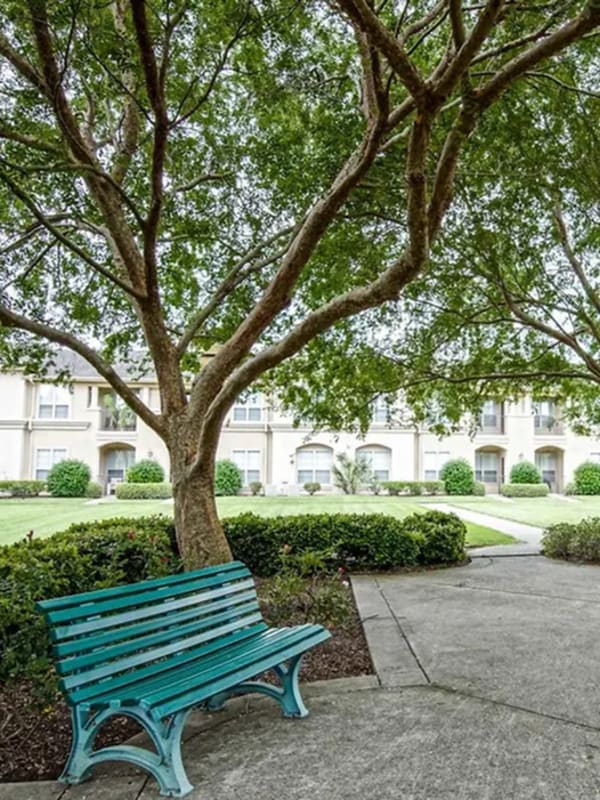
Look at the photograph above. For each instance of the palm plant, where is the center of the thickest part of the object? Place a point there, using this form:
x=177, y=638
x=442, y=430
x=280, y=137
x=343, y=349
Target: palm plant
x=349, y=475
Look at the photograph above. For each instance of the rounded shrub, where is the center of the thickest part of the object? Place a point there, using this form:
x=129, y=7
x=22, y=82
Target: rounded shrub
x=574, y=542
x=441, y=536
x=479, y=489
x=94, y=490
x=68, y=478
x=525, y=472
x=145, y=471
x=255, y=487
x=228, y=479
x=458, y=476
x=311, y=487
x=587, y=478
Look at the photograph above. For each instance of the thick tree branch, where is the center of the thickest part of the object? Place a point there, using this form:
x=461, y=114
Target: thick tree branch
x=575, y=263
x=11, y=319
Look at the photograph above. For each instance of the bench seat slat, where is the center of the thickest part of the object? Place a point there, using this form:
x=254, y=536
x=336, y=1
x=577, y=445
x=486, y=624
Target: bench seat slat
x=114, y=683
x=182, y=674
x=135, y=588
x=154, y=596
x=157, y=610
x=96, y=673
x=84, y=643
x=165, y=634
x=246, y=672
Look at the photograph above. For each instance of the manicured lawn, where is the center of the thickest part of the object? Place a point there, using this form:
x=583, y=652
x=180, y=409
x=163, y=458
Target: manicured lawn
x=47, y=515
x=541, y=511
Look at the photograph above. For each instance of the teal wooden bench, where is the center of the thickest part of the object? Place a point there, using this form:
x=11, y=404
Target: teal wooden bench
x=155, y=650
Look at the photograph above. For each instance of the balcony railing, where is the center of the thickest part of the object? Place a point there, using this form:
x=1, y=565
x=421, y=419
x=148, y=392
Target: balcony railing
x=545, y=425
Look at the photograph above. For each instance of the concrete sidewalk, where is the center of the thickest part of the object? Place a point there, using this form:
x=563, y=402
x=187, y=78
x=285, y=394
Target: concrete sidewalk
x=487, y=689
x=529, y=536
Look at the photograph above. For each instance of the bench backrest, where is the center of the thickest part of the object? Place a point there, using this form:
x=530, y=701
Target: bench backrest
x=137, y=630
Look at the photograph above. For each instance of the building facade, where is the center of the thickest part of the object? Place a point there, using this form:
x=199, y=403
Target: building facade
x=41, y=424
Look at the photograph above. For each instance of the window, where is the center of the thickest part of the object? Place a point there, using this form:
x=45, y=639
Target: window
x=54, y=402
x=90, y=396
x=45, y=459
x=314, y=464
x=118, y=461
x=486, y=467
x=379, y=460
x=249, y=409
x=547, y=417
x=116, y=415
x=248, y=463
x=433, y=461
x=381, y=411
x=491, y=417
x=154, y=399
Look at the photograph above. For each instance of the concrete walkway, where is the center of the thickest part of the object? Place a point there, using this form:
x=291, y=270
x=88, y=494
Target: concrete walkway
x=487, y=689
x=529, y=536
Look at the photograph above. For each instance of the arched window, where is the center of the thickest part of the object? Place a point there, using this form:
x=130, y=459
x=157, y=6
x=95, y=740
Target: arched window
x=378, y=458
x=313, y=463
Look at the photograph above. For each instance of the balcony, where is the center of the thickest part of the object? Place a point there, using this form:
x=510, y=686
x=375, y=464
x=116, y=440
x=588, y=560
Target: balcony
x=114, y=414
x=492, y=419
x=548, y=425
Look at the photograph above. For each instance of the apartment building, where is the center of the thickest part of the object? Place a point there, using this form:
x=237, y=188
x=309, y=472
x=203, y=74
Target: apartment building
x=41, y=423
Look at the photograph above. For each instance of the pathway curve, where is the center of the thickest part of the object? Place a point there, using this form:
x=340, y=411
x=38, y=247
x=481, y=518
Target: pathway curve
x=529, y=536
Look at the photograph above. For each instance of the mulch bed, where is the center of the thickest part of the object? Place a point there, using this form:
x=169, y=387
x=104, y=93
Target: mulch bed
x=34, y=742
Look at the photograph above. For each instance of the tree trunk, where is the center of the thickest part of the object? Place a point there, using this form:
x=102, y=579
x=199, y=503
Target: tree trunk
x=199, y=533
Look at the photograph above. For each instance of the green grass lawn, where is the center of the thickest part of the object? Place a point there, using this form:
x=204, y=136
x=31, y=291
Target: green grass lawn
x=541, y=511
x=47, y=515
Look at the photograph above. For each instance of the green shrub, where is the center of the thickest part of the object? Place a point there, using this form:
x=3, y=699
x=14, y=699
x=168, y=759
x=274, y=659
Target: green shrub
x=94, y=490
x=312, y=486
x=524, y=490
x=68, y=478
x=360, y=541
x=146, y=471
x=432, y=487
x=143, y=491
x=22, y=488
x=393, y=487
x=525, y=472
x=255, y=487
x=228, y=479
x=441, y=536
x=575, y=542
x=570, y=488
x=587, y=478
x=87, y=556
x=457, y=475
x=289, y=598
x=479, y=489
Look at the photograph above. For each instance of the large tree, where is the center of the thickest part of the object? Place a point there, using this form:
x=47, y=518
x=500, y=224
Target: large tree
x=179, y=175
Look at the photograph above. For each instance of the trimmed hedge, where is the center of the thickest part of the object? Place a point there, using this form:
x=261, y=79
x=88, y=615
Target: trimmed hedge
x=99, y=554
x=573, y=542
x=84, y=557
x=525, y=472
x=479, y=489
x=94, y=490
x=143, y=491
x=524, y=489
x=458, y=477
x=311, y=487
x=22, y=488
x=68, y=478
x=146, y=471
x=356, y=541
x=587, y=478
x=413, y=488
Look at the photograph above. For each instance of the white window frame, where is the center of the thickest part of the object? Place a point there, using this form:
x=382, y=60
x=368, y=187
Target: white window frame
x=56, y=454
x=437, y=458
x=482, y=471
x=249, y=409
x=315, y=472
x=379, y=459
x=54, y=397
x=381, y=411
x=249, y=463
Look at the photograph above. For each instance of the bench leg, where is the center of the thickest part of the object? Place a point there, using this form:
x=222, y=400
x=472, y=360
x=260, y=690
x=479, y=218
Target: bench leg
x=165, y=764
x=288, y=695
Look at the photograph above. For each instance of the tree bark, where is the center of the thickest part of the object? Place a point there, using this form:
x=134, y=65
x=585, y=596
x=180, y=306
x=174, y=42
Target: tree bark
x=200, y=536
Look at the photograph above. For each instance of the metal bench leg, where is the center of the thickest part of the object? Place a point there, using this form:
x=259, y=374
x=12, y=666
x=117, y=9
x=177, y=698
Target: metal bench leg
x=288, y=695
x=165, y=764
x=291, y=699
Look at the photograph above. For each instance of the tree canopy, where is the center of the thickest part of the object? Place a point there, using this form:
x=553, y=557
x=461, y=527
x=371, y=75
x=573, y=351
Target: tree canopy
x=267, y=180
